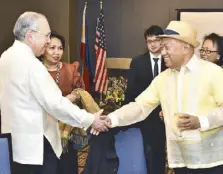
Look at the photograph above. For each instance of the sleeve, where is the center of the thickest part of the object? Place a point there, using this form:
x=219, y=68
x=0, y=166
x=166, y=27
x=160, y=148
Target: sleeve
x=138, y=110
x=214, y=118
x=130, y=93
x=49, y=96
x=78, y=81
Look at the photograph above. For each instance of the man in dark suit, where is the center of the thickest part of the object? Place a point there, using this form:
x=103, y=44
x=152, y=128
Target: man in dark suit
x=143, y=70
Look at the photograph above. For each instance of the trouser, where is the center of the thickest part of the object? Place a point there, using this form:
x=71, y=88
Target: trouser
x=156, y=161
x=50, y=163
x=68, y=163
x=213, y=170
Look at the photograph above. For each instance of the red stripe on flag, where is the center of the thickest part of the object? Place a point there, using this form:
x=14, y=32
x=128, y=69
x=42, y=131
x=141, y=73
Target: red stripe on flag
x=99, y=64
x=102, y=73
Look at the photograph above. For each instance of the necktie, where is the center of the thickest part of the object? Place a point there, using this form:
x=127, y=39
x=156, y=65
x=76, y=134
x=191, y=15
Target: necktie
x=156, y=67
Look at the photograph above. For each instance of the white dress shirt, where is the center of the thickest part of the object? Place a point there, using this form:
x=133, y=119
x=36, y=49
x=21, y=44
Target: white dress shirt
x=27, y=93
x=153, y=62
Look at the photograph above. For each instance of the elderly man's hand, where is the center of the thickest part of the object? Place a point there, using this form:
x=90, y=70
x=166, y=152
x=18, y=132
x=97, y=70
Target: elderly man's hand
x=101, y=123
x=97, y=132
x=188, y=122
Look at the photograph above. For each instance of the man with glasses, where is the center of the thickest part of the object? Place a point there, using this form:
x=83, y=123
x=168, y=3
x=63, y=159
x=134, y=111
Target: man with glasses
x=143, y=70
x=28, y=93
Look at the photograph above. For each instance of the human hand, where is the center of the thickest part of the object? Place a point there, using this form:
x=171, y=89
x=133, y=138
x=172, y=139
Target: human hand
x=188, y=122
x=94, y=131
x=101, y=123
x=72, y=97
x=161, y=115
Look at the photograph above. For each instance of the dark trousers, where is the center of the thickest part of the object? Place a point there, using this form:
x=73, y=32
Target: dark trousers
x=68, y=163
x=156, y=161
x=50, y=163
x=213, y=170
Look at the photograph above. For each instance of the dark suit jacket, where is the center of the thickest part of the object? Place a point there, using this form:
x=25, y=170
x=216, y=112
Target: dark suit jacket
x=139, y=78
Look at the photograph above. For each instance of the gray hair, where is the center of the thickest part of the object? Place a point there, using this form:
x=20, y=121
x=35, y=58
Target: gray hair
x=26, y=21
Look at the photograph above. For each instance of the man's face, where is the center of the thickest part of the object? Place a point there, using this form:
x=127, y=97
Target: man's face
x=41, y=38
x=173, y=53
x=153, y=44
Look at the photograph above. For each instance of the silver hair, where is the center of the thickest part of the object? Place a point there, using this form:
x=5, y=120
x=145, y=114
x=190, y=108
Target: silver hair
x=26, y=21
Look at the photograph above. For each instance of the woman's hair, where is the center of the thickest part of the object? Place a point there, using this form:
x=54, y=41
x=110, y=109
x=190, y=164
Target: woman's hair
x=54, y=34
x=218, y=41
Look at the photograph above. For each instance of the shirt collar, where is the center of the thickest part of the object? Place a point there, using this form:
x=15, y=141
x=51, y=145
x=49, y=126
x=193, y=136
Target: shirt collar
x=152, y=56
x=23, y=47
x=193, y=64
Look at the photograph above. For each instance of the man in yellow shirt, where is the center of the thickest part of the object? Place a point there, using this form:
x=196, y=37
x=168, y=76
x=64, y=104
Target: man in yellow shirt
x=190, y=92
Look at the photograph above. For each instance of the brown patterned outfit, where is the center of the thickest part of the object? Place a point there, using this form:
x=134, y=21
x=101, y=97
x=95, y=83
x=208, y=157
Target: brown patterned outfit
x=69, y=78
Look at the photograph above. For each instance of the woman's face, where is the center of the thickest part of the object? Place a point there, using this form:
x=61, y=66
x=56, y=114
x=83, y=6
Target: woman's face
x=209, y=51
x=54, y=51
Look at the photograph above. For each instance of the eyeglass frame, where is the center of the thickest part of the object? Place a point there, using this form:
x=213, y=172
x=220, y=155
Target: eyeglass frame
x=207, y=51
x=153, y=41
x=46, y=35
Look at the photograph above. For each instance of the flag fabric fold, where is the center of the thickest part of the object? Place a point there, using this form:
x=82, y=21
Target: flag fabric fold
x=84, y=53
x=101, y=76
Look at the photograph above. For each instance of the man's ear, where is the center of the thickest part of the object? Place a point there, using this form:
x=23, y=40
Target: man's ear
x=29, y=36
x=186, y=48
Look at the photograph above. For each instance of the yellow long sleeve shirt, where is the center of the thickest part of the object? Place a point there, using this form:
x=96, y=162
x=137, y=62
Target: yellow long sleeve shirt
x=197, y=89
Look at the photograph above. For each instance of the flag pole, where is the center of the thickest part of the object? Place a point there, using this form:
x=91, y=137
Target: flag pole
x=101, y=92
x=100, y=4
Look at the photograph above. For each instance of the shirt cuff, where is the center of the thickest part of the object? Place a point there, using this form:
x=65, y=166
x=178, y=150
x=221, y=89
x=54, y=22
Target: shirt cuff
x=114, y=120
x=88, y=121
x=204, y=123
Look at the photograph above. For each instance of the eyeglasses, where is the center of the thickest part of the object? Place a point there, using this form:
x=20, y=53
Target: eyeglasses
x=46, y=35
x=156, y=41
x=207, y=51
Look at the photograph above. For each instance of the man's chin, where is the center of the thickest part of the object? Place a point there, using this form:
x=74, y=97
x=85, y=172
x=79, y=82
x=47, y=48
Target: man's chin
x=168, y=65
x=155, y=51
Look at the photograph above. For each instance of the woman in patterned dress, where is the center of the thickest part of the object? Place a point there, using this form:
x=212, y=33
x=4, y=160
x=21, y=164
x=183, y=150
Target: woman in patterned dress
x=67, y=78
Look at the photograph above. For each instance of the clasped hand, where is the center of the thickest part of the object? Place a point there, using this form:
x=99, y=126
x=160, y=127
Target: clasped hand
x=101, y=123
x=188, y=122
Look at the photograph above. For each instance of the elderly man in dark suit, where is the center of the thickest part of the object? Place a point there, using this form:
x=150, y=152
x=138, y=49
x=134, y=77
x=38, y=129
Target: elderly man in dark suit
x=150, y=132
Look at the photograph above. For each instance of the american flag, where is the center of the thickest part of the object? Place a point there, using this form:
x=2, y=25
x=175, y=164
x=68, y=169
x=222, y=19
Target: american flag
x=101, y=77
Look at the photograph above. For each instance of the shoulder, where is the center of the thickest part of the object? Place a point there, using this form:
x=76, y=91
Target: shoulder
x=212, y=68
x=72, y=67
x=140, y=58
x=36, y=66
x=164, y=74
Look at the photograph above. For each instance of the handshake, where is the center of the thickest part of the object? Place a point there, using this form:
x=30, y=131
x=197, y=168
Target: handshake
x=101, y=123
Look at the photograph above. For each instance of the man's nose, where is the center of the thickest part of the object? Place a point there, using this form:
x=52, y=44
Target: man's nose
x=48, y=40
x=163, y=51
